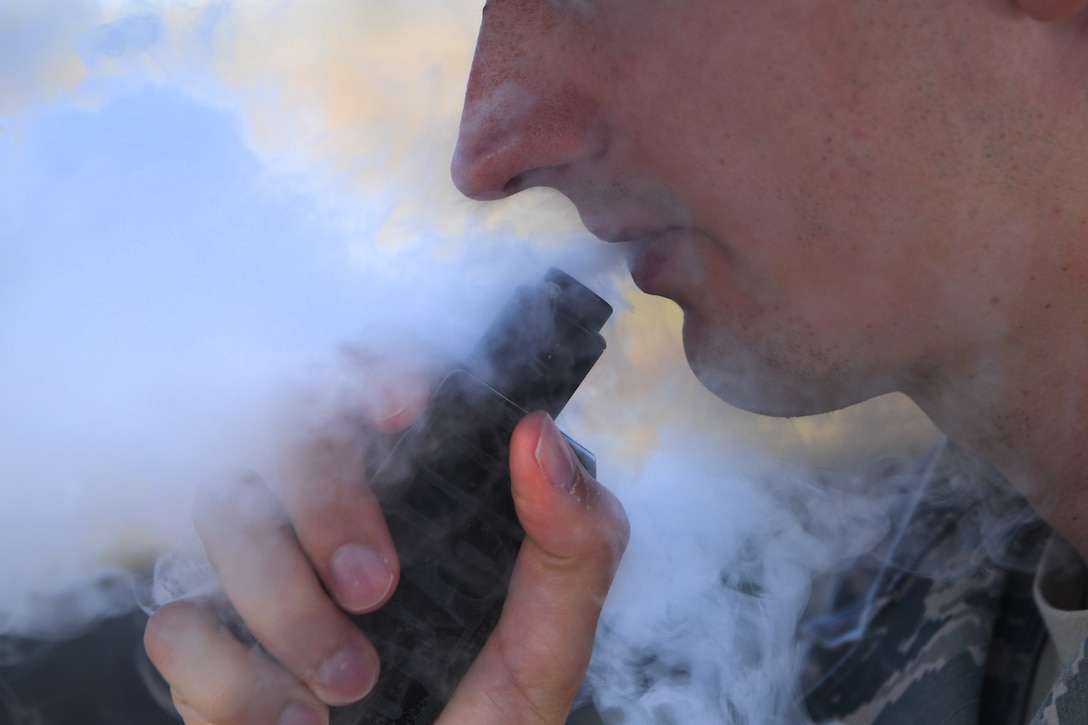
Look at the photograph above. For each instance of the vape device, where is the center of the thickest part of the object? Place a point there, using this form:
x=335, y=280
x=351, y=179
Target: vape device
x=445, y=492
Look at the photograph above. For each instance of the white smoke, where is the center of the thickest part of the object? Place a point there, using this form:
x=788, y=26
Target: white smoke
x=701, y=624
x=167, y=286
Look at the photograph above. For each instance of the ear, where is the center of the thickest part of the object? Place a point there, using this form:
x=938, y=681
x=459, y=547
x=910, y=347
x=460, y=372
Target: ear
x=1051, y=10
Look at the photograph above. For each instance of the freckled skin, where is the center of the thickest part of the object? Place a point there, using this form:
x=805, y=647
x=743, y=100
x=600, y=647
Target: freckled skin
x=876, y=196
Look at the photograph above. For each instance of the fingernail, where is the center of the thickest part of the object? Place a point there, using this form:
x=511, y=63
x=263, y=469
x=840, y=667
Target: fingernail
x=360, y=576
x=299, y=714
x=397, y=406
x=386, y=407
x=348, y=674
x=555, y=456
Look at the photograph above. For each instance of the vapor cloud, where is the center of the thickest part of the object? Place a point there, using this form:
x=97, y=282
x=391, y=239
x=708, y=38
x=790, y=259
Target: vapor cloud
x=169, y=270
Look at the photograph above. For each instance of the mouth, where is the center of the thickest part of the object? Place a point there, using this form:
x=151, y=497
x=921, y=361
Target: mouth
x=650, y=256
x=649, y=249
x=647, y=259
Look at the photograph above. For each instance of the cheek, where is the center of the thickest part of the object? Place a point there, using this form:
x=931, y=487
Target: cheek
x=777, y=148
x=772, y=298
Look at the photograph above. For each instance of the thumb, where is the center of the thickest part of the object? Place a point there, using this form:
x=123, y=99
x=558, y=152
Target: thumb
x=534, y=662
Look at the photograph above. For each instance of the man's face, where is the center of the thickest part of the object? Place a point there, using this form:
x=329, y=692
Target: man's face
x=791, y=172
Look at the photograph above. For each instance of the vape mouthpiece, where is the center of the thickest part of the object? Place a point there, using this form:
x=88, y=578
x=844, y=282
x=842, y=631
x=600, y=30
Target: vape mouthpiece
x=543, y=343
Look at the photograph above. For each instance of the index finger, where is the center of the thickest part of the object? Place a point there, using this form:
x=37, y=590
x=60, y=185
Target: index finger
x=322, y=479
x=338, y=521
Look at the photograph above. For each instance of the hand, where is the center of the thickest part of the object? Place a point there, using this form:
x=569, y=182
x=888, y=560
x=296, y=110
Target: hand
x=275, y=550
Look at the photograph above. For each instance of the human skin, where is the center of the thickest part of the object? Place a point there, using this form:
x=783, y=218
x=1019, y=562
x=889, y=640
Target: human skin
x=846, y=197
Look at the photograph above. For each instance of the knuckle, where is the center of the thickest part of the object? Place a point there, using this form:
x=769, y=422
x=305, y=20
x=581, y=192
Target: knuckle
x=334, y=455
x=229, y=700
x=272, y=622
x=391, y=392
x=188, y=715
x=226, y=703
x=162, y=633
x=242, y=503
x=221, y=700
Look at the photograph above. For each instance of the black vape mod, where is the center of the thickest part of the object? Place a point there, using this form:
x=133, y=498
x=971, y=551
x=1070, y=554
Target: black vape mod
x=445, y=492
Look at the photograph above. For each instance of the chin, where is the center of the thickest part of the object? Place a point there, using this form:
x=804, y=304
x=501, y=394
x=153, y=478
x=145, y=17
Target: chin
x=762, y=394
x=771, y=382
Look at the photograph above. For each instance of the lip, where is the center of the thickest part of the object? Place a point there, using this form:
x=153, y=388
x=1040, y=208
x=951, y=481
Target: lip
x=650, y=248
x=648, y=258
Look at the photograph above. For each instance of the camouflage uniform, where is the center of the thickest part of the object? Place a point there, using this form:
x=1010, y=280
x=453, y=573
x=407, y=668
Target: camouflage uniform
x=937, y=633
x=1067, y=701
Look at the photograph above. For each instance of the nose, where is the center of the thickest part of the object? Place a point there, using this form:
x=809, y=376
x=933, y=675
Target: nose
x=528, y=113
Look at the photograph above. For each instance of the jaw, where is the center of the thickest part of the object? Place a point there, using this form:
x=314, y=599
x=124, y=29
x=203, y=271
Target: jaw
x=788, y=379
